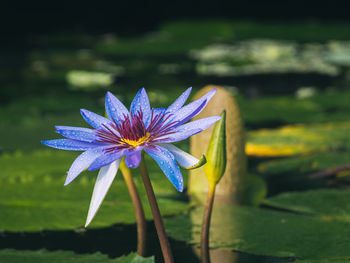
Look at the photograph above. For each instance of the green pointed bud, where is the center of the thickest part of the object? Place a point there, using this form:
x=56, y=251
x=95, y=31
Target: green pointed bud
x=216, y=153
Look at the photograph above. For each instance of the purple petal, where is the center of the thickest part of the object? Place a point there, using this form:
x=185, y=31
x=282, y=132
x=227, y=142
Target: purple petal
x=82, y=162
x=178, y=136
x=183, y=158
x=167, y=163
x=180, y=101
x=94, y=119
x=72, y=145
x=208, y=96
x=133, y=158
x=141, y=103
x=114, y=108
x=190, y=110
x=103, y=183
x=157, y=111
x=198, y=124
x=77, y=133
x=105, y=159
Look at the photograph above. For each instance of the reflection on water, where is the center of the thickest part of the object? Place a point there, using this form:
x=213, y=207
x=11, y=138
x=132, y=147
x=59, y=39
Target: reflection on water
x=117, y=241
x=225, y=225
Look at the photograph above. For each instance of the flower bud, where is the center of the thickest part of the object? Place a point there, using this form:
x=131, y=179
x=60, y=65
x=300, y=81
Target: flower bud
x=216, y=153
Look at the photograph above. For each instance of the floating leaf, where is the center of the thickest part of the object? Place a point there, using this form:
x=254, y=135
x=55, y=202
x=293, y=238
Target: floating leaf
x=27, y=134
x=33, y=198
x=86, y=80
x=44, y=256
x=272, y=111
x=329, y=260
x=298, y=139
x=331, y=204
x=266, y=232
x=304, y=164
x=290, y=174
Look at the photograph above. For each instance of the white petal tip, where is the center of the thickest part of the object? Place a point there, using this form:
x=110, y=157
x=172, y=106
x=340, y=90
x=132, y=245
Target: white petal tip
x=198, y=164
x=67, y=182
x=91, y=214
x=212, y=92
x=88, y=221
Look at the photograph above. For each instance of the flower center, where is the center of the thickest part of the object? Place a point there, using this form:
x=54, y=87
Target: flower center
x=135, y=143
x=132, y=132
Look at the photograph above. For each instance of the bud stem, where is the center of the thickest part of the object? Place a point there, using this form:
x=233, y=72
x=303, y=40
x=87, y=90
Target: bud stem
x=206, y=224
x=139, y=213
x=163, y=239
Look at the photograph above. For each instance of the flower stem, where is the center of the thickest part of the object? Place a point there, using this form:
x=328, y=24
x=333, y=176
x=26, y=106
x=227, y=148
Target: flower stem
x=163, y=239
x=206, y=224
x=139, y=213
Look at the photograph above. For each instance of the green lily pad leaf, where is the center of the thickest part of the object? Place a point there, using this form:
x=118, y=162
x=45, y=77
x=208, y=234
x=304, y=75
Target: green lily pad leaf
x=26, y=133
x=331, y=204
x=33, y=198
x=298, y=139
x=305, y=164
x=44, y=256
x=265, y=232
x=278, y=110
x=329, y=260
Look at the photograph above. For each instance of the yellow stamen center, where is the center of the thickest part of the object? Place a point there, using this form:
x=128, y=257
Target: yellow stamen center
x=138, y=142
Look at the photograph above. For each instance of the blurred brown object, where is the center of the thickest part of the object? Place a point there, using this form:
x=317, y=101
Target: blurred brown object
x=227, y=191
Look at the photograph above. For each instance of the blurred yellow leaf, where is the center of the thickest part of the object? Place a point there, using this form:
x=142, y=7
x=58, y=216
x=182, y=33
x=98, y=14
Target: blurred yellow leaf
x=298, y=139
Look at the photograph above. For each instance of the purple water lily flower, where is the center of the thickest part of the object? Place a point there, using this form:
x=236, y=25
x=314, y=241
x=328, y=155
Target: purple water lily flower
x=127, y=134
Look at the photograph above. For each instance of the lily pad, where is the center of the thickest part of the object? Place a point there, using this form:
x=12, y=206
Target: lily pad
x=330, y=204
x=33, y=198
x=304, y=164
x=329, y=260
x=266, y=232
x=282, y=110
x=298, y=139
x=44, y=256
x=26, y=132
